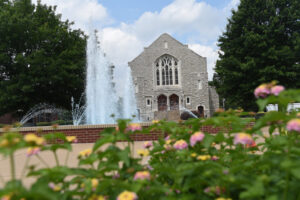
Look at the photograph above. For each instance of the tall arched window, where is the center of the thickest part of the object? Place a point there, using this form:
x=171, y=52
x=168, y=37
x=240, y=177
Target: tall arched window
x=171, y=76
x=163, y=77
x=157, y=77
x=167, y=75
x=176, y=76
x=167, y=70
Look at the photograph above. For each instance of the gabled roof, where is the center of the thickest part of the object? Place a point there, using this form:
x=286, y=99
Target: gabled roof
x=164, y=37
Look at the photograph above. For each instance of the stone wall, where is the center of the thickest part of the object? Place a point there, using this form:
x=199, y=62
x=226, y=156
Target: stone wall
x=192, y=71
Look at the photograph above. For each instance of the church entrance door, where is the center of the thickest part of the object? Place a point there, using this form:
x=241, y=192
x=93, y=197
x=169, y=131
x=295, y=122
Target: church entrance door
x=201, y=111
x=162, y=102
x=174, y=102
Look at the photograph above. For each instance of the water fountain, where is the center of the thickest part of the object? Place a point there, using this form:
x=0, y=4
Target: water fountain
x=129, y=101
x=78, y=112
x=102, y=105
x=185, y=110
x=101, y=97
x=38, y=110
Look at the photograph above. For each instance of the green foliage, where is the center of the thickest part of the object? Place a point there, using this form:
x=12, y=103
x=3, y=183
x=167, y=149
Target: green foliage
x=216, y=167
x=43, y=123
x=261, y=43
x=41, y=59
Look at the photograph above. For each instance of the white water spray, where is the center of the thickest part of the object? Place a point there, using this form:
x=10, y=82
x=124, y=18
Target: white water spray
x=101, y=98
x=129, y=101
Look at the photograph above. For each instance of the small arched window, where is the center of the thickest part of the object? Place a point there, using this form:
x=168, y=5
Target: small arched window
x=167, y=70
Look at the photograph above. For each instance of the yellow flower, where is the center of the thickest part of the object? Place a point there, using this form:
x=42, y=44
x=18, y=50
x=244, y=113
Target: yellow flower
x=54, y=187
x=71, y=138
x=6, y=197
x=6, y=128
x=222, y=198
x=155, y=121
x=143, y=152
x=94, y=183
x=4, y=143
x=126, y=195
x=32, y=151
x=97, y=197
x=193, y=155
x=168, y=141
x=32, y=138
x=85, y=153
x=203, y=157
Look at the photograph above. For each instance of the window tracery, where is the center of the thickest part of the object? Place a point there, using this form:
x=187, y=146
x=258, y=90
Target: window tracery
x=167, y=70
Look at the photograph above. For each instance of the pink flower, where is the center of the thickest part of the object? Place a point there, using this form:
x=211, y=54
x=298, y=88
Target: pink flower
x=167, y=138
x=148, y=144
x=243, y=138
x=262, y=91
x=142, y=175
x=293, y=125
x=134, y=127
x=32, y=151
x=275, y=90
x=214, y=158
x=180, y=144
x=207, y=190
x=149, y=167
x=196, y=137
x=116, y=176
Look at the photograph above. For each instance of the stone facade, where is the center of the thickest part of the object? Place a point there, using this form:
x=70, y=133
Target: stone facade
x=169, y=77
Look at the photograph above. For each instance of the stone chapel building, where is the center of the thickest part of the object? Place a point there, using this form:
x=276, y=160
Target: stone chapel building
x=169, y=78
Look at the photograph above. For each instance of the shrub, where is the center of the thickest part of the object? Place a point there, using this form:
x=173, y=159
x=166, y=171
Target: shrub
x=43, y=124
x=239, y=162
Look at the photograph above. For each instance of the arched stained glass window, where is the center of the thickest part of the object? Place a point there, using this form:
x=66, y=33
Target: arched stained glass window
x=163, y=77
x=157, y=77
x=167, y=75
x=176, y=76
x=167, y=70
x=171, y=76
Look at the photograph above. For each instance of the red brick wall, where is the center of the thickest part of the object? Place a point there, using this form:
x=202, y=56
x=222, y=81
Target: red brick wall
x=89, y=134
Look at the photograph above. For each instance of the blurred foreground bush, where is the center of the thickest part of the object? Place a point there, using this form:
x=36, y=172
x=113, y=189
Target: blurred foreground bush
x=239, y=162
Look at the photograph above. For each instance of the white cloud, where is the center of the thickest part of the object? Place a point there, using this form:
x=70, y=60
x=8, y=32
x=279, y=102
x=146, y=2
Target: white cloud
x=120, y=46
x=209, y=53
x=180, y=17
x=82, y=12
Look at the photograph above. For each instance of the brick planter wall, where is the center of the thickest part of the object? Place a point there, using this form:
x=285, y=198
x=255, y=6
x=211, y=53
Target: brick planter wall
x=90, y=133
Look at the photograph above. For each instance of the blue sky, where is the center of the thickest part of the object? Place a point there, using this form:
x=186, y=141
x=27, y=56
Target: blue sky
x=125, y=27
x=130, y=10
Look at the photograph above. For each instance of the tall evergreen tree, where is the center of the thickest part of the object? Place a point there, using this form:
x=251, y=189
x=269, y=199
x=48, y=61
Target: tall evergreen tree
x=41, y=59
x=261, y=43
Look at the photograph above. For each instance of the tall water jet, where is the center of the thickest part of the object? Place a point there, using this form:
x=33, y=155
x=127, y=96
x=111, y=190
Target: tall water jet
x=101, y=98
x=129, y=101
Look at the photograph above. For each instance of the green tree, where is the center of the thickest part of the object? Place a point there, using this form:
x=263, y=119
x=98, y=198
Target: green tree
x=42, y=60
x=261, y=43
